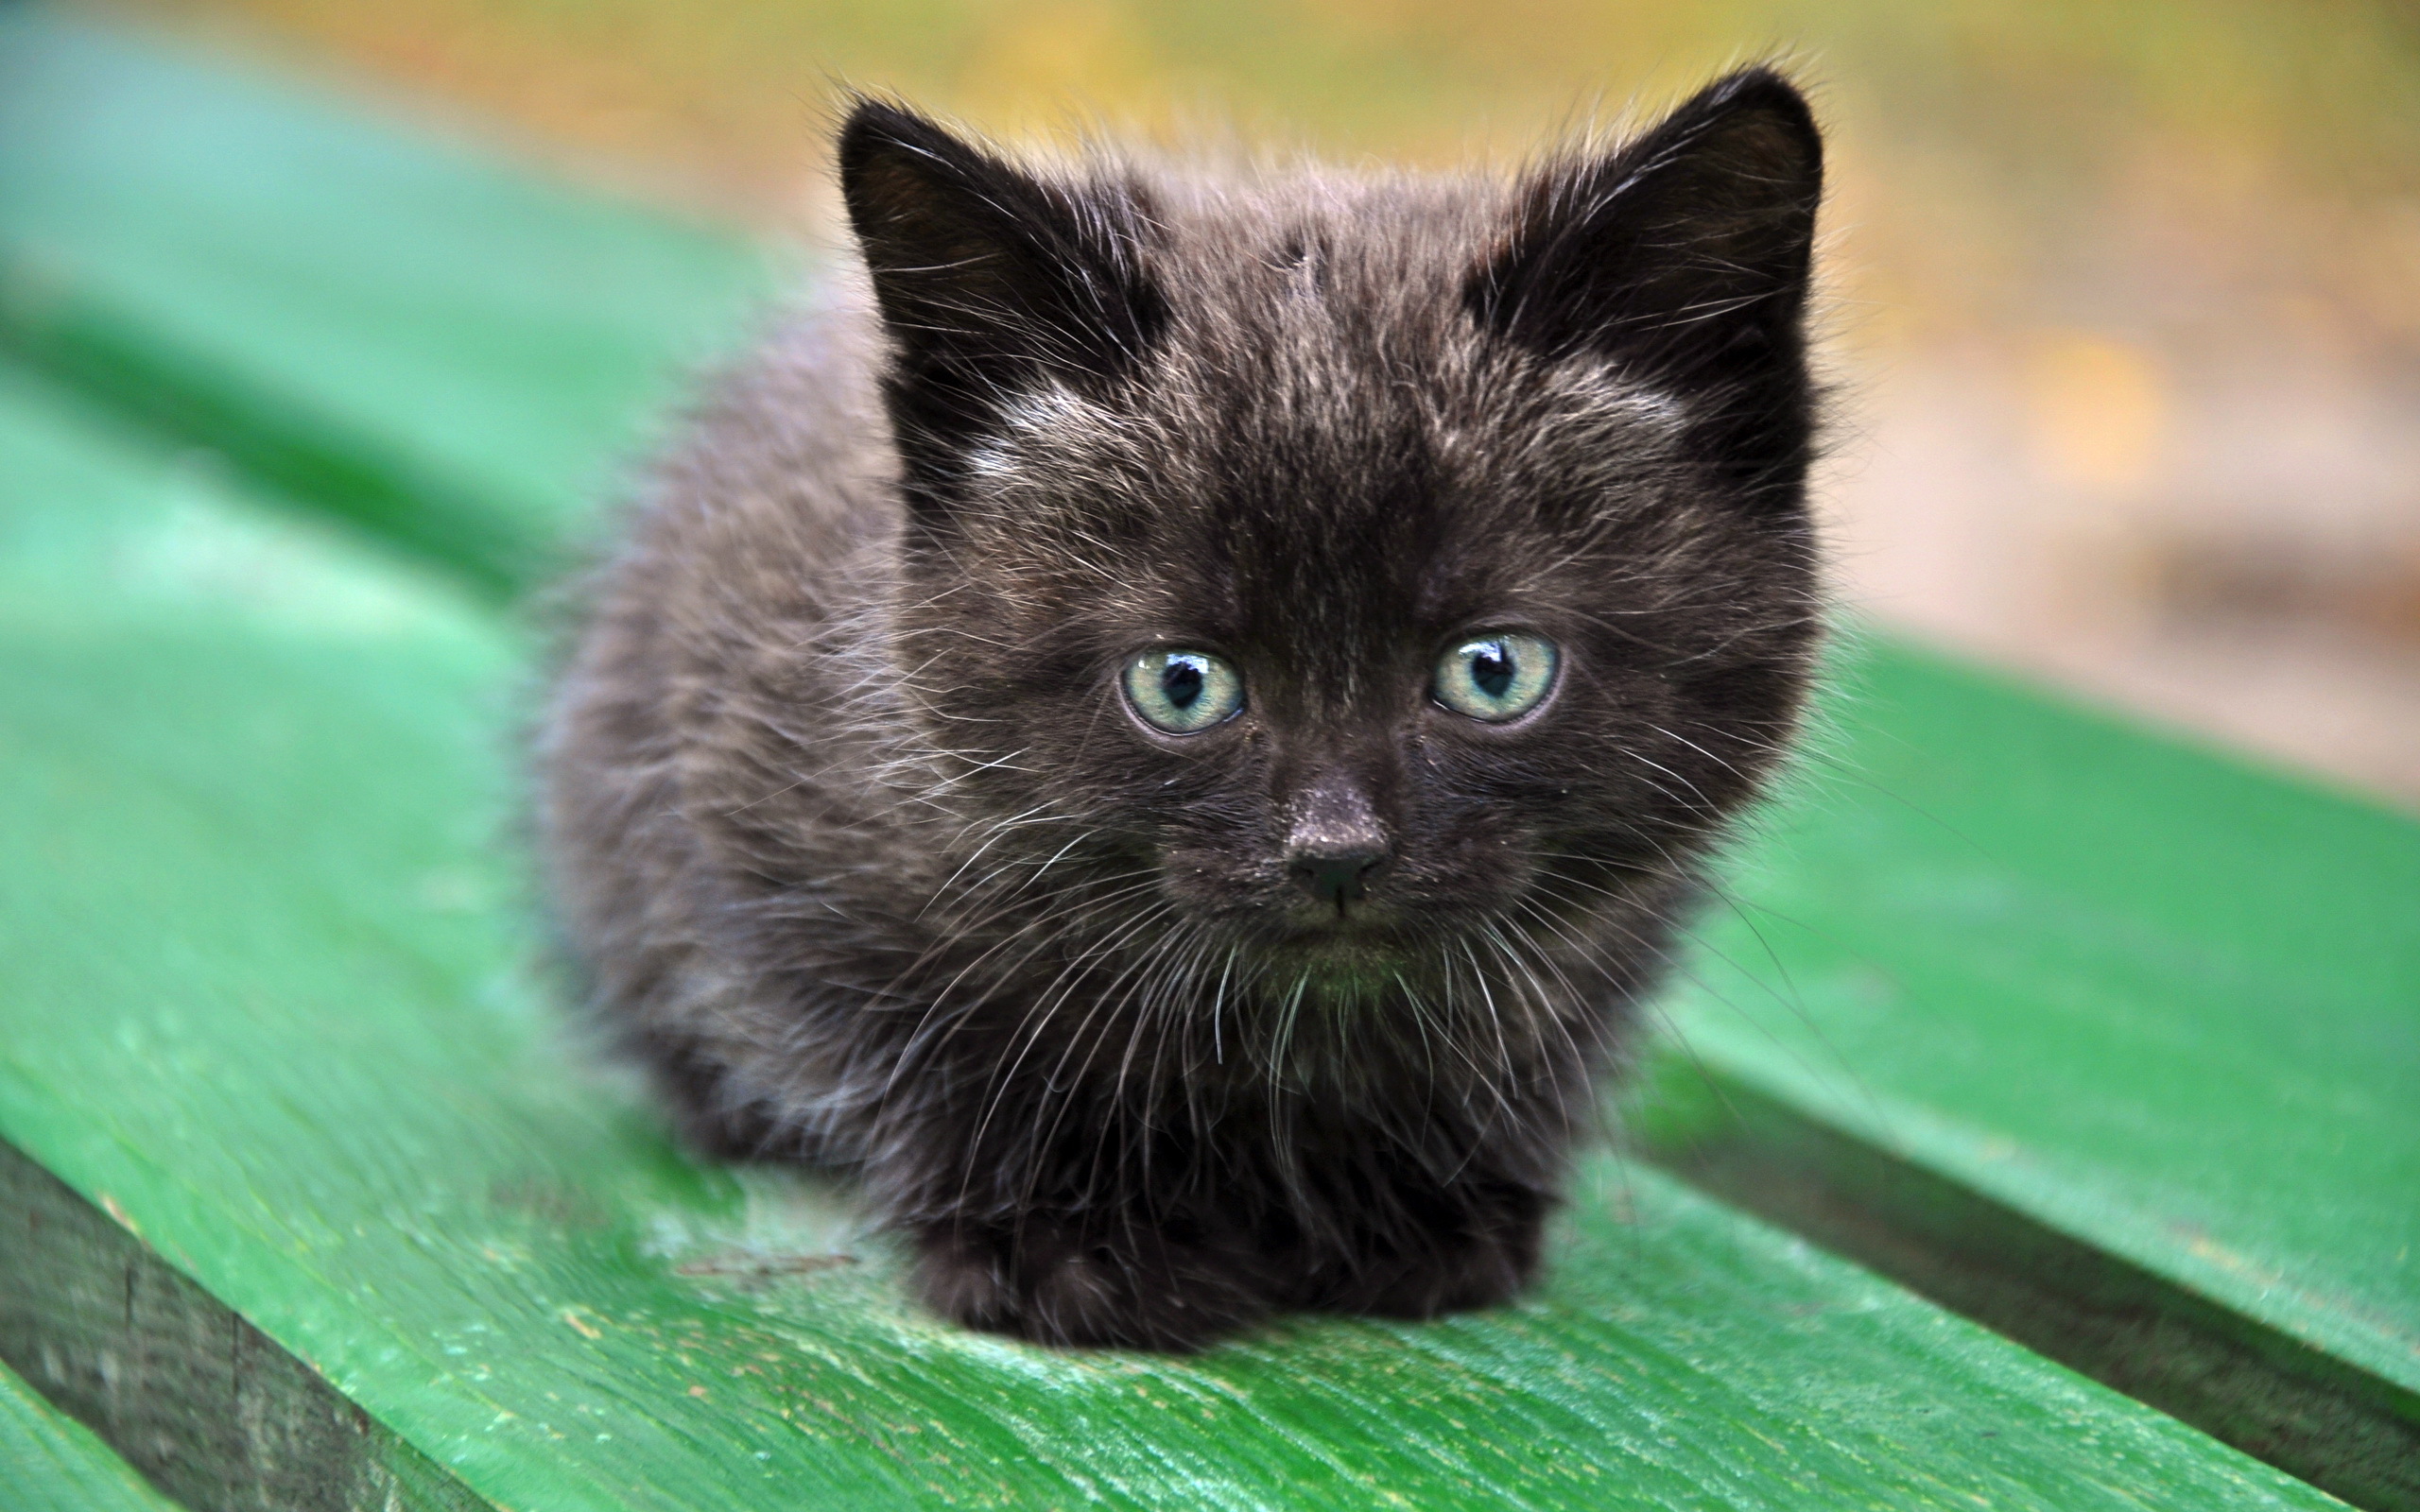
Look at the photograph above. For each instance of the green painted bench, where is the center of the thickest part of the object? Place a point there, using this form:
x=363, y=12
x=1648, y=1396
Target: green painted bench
x=309, y=1197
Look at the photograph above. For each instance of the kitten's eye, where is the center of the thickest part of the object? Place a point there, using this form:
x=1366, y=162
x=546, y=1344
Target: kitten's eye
x=1495, y=677
x=1183, y=692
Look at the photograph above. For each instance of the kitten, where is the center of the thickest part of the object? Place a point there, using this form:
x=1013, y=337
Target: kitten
x=1170, y=726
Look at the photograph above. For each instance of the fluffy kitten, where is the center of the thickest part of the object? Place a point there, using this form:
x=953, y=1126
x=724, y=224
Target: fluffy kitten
x=1169, y=727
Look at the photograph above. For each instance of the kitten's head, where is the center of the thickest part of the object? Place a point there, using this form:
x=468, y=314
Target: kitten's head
x=1351, y=578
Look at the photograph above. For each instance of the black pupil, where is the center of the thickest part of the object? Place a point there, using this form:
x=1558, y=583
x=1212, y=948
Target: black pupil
x=1181, y=681
x=1491, y=668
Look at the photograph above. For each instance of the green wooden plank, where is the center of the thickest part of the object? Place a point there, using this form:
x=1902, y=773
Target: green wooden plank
x=2093, y=984
x=51, y=1463
x=266, y=1001
x=388, y=324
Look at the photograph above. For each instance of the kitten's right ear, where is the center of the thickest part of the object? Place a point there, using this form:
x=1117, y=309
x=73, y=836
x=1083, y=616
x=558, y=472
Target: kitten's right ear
x=990, y=280
x=1683, y=256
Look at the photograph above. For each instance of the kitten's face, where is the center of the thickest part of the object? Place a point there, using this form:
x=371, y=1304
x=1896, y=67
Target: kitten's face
x=1359, y=578
x=1355, y=678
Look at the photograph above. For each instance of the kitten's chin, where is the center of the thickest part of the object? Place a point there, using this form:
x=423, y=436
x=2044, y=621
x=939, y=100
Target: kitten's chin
x=1344, y=962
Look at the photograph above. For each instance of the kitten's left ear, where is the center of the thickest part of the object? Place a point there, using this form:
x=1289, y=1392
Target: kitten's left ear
x=1683, y=256
x=990, y=279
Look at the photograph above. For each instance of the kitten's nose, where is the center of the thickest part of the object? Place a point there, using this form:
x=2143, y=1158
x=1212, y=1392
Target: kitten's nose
x=1335, y=845
x=1335, y=878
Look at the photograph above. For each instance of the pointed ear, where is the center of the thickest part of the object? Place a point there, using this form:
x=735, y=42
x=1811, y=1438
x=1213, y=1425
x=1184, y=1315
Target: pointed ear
x=1683, y=256
x=988, y=279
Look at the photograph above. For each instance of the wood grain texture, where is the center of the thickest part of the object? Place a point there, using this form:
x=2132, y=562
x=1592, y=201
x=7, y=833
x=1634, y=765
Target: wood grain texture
x=268, y=1000
x=51, y=1463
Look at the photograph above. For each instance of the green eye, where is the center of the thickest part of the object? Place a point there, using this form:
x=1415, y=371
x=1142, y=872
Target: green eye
x=1183, y=692
x=1495, y=677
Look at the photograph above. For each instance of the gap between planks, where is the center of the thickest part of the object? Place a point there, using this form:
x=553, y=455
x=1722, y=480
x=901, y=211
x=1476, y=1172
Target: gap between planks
x=2340, y=1428
x=208, y=1408
x=273, y=440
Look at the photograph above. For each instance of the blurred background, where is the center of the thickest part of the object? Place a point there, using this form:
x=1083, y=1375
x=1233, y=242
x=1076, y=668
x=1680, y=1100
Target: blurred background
x=2123, y=298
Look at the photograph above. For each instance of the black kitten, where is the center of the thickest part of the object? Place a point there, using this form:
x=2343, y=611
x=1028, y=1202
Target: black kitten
x=1169, y=728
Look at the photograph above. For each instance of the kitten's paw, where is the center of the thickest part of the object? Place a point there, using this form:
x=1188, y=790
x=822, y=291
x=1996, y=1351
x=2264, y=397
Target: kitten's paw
x=1460, y=1273
x=1056, y=1283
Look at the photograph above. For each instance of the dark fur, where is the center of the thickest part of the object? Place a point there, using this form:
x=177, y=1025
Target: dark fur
x=859, y=843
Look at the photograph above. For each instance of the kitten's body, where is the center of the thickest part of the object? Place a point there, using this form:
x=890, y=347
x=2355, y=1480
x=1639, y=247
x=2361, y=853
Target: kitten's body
x=861, y=847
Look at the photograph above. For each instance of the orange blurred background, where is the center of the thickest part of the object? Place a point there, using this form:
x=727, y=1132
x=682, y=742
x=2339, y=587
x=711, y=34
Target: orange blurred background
x=2124, y=298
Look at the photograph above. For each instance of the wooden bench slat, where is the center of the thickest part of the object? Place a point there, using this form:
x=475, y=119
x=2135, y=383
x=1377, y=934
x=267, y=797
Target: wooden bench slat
x=395, y=327
x=2126, y=991
x=267, y=1003
x=2144, y=989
